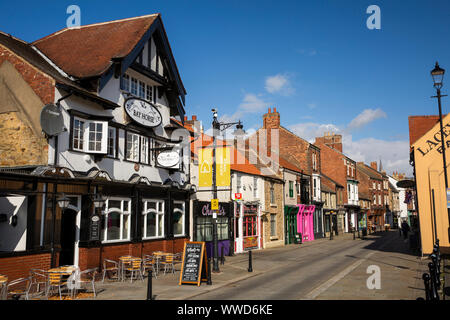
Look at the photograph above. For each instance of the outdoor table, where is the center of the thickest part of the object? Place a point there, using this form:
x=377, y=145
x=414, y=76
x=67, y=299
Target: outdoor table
x=158, y=256
x=122, y=261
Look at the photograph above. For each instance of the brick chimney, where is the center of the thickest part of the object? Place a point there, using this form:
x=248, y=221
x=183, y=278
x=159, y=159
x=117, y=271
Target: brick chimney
x=194, y=123
x=373, y=165
x=271, y=120
x=332, y=140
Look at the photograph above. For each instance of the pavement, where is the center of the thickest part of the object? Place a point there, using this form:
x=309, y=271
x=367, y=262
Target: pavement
x=397, y=264
x=401, y=273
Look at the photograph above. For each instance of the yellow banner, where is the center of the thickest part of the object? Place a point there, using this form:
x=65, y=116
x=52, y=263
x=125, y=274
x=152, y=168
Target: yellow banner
x=205, y=167
x=223, y=173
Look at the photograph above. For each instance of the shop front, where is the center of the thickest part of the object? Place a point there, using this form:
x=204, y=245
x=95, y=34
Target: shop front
x=305, y=221
x=247, y=226
x=204, y=227
x=290, y=228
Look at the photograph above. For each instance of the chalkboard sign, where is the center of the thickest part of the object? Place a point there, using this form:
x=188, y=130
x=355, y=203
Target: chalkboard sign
x=194, y=265
x=95, y=228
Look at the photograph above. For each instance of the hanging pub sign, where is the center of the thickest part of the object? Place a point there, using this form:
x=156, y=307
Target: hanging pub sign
x=143, y=112
x=168, y=159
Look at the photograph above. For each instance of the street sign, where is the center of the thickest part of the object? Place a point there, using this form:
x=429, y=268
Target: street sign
x=215, y=204
x=238, y=196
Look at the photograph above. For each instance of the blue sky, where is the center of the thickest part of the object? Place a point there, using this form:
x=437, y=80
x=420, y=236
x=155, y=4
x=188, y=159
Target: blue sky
x=315, y=61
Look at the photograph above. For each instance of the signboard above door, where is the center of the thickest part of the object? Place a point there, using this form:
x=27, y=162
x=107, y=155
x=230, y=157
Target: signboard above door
x=143, y=112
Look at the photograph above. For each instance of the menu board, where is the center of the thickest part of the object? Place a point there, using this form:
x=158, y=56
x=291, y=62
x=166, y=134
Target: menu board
x=194, y=265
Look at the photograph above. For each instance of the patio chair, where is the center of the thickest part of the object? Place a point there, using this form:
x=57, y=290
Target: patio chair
x=17, y=288
x=111, y=266
x=149, y=262
x=87, y=277
x=133, y=266
x=168, y=263
x=56, y=280
x=3, y=290
x=39, y=279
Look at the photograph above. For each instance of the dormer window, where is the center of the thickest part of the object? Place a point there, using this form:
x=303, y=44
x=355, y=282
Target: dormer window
x=137, y=88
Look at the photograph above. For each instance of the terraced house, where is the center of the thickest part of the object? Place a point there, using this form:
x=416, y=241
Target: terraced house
x=87, y=146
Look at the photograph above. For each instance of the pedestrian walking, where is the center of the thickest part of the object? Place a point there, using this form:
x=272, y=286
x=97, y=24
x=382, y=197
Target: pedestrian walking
x=405, y=230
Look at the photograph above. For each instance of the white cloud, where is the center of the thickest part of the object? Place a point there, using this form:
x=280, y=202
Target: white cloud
x=310, y=130
x=251, y=103
x=279, y=83
x=365, y=117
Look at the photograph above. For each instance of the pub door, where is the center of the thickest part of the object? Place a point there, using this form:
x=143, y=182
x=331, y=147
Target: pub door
x=68, y=236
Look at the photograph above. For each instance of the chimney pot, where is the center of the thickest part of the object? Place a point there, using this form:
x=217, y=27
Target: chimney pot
x=274, y=109
x=194, y=118
x=269, y=111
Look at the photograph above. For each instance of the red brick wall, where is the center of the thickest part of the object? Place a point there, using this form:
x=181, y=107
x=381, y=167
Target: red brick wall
x=18, y=267
x=90, y=257
x=419, y=125
x=41, y=83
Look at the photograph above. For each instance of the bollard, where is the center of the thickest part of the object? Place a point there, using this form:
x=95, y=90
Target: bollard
x=250, y=269
x=149, y=285
x=426, y=281
x=353, y=234
x=222, y=257
x=434, y=291
x=209, y=282
x=436, y=270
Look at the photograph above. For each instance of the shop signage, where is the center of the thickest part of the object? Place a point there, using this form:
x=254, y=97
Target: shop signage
x=143, y=112
x=194, y=264
x=250, y=243
x=168, y=159
x=252, y=209
x=238, y=196
x=208, y=211
x=435, y=141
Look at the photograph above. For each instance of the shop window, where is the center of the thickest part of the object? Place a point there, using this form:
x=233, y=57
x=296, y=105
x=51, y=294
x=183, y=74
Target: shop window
x=116, y=220
x=204, y=229
x=153, y=219
x=178, y=218
x=250, y=226
x=291, y=189
x=90, y=136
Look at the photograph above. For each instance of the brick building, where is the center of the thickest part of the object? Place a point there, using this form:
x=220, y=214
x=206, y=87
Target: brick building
x=114, y=88
x=305, y=157
x=342, y=169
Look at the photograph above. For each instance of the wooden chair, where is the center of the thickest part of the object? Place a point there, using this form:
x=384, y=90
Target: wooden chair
x=111, y=266
x=87, y=277
x=55, y=280
x=17, y=288
x=168, y=263
x=149, y=262
x=134, y=265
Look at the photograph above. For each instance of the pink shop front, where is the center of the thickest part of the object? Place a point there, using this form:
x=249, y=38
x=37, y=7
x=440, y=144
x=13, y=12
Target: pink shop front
x=299, y=219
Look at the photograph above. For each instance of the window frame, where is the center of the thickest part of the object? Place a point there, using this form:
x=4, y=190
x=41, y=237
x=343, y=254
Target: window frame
x=183, y=218
x=107, y=211
x=85, y=134
x=159, y=216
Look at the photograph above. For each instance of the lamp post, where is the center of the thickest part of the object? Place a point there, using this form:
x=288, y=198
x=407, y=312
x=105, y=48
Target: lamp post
x=218, y=127
x=438, y=75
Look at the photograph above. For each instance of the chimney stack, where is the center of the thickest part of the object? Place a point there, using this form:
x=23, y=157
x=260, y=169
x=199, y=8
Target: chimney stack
x=373, y=165
x=271, y=120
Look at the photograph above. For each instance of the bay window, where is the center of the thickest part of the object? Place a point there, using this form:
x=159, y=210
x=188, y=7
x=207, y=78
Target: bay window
x=153, y=219
x=116, y=220
x=137, y=148
x=178, y=218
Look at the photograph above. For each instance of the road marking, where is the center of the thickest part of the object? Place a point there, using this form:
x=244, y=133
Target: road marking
x=324, y=286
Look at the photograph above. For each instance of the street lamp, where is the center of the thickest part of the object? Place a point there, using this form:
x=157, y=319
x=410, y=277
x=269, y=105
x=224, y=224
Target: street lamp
x=63, y=202
x=217, y=128
x=438, y=76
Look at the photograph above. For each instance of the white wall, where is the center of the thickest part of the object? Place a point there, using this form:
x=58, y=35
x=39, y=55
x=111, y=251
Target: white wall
x=13, y=238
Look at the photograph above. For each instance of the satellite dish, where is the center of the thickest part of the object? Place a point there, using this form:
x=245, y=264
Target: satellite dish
x=52, y=122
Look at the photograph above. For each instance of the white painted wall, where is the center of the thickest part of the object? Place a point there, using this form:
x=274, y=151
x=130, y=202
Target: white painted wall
x=14, y=238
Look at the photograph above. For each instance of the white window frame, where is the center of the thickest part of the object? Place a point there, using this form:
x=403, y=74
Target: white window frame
x=122, y=214
x=80, y=130
x=86, y=130
x=159, y=213
x=112, y=135
x=144, y=147
x=133, y=153
x=182, y=217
